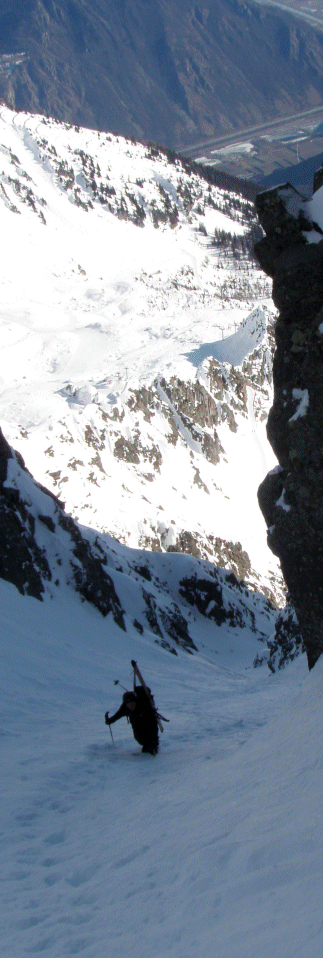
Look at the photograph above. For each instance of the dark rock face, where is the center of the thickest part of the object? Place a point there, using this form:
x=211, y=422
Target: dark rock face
x=167, y=70
x=228, y=555
x=286, y=642
x=210, y=595
x=26, y=555
x=196, y=410
x=291, y=497
x=21, y=560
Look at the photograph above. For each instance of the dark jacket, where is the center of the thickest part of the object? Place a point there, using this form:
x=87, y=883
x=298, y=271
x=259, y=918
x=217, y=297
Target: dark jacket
x=141, y=714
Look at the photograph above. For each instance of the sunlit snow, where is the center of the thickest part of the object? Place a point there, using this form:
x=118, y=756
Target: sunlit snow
x=94, y=307
x=213, y=847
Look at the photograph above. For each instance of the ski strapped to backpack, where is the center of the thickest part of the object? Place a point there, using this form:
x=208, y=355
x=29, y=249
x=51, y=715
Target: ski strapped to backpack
x=149, y=696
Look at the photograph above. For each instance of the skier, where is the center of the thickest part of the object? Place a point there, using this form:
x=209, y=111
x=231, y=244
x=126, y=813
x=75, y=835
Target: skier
x=139, y=709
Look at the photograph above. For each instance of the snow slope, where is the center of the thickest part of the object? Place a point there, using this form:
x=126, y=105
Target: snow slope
x=118, y=272
x=212, y=847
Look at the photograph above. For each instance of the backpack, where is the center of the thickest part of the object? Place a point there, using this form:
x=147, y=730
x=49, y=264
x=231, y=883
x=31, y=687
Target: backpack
x=146, y=705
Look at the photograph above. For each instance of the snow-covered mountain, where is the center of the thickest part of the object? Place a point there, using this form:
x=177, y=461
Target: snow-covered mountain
x=135, y=382
x=136, y=335
x=173, y=598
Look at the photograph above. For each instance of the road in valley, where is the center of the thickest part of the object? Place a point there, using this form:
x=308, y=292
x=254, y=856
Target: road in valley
x=273, y=126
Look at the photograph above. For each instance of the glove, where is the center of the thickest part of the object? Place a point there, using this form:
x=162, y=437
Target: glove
x=107, y=720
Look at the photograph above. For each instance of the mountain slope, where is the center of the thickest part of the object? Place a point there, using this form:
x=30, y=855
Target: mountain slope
x=159, y=69
x=136, y=370
x=216, y=843
x=172, y=599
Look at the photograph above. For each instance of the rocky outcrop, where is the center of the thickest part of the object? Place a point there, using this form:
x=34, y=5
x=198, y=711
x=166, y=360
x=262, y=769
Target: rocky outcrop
x=291, y=497
x=43, y=551
x=41, y=547
x=196, y=412
x=21, y=560
x=285, y=644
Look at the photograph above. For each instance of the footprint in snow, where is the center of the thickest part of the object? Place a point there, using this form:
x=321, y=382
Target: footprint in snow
x=56, y=838
x=82, y=875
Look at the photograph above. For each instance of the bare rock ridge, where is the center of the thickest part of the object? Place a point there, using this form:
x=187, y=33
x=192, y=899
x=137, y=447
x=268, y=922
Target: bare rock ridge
x=291, y=496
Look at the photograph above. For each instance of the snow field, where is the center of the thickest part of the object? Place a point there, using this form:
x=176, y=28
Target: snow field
x=213, y=846
x=94, y=307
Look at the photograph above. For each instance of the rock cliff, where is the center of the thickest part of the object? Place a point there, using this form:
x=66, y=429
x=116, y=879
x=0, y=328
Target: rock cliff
x=291, y=496
x=41, y=546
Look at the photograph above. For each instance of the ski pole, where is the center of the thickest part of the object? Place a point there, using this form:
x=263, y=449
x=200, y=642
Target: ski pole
x=116, y=682
x=110, y=730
